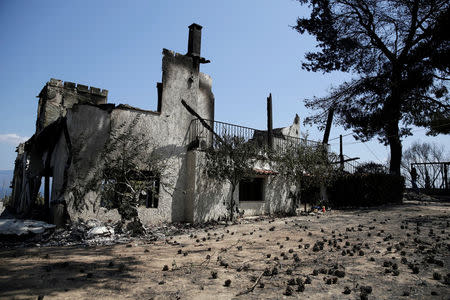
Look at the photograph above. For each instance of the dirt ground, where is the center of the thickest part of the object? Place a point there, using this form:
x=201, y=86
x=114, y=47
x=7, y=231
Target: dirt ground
x=393, y=252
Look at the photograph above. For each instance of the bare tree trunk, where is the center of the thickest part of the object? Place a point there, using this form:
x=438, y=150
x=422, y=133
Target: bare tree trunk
x=232, y=203
x=395, y=146
x=392, y=118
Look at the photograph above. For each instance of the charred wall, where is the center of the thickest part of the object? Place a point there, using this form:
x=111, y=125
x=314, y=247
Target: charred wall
x=57, y=97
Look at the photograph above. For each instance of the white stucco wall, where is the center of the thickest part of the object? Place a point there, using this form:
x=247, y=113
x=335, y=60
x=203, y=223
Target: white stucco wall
x=88, y=129
x=166, y=131
x=208, y=197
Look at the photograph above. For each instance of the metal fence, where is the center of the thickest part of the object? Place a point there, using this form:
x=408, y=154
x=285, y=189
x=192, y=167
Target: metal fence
x=431, y=175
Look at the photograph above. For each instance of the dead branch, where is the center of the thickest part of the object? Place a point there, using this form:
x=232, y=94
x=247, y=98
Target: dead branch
x=250, y=289
x=202, y=121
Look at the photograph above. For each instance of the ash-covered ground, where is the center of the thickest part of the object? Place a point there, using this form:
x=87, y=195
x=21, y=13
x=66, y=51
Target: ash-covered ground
x=390, y=252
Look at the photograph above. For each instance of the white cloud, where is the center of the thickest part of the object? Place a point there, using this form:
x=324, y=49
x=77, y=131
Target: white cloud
x=12, y=139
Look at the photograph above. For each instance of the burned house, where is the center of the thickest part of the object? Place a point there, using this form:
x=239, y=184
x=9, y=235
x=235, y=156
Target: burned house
x=76, y=127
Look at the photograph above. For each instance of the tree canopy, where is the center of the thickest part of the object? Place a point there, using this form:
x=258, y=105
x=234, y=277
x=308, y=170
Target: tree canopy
x=308, y=167
x=399, y=52
x=232, y=160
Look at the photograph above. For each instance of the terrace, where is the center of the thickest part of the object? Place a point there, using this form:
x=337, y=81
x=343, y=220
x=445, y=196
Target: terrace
x=200, y=136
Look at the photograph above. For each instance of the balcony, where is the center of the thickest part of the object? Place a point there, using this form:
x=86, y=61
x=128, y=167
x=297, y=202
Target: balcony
x=201, y=137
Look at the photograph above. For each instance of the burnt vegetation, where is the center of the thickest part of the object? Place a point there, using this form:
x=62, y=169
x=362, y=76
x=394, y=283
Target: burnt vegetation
x=398, y=52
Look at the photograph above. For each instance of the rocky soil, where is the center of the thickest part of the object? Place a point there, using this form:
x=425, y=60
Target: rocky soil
x=391, y=252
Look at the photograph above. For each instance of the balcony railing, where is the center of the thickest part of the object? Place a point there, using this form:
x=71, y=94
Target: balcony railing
x=350, y=166
x=199, y=134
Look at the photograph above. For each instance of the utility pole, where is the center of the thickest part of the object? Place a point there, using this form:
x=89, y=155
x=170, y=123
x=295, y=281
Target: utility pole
x=269, y=122
x=326, y=134
x=341, y=153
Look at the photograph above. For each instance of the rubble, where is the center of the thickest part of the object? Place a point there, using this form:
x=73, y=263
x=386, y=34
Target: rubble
x=100, y=231
x=23, y=227
x=88, y=233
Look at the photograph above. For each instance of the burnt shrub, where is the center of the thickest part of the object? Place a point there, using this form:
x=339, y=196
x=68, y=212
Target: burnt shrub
x=356, y=190
x=371, y=168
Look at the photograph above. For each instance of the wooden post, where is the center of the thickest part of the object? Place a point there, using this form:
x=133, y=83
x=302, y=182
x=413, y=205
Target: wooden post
x=326, y=134
x=445, y=176
x=341, y=153
x=269, y=122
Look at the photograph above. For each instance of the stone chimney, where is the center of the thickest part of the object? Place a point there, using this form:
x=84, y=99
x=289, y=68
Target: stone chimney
x=195, y=40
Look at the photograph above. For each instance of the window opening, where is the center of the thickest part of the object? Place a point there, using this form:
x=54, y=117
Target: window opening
x=251, y=189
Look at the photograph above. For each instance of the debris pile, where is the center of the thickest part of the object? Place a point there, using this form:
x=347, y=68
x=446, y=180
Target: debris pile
x=29, y=233
x=23, y=227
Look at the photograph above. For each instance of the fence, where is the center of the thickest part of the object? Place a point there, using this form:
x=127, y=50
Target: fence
x=432, y=175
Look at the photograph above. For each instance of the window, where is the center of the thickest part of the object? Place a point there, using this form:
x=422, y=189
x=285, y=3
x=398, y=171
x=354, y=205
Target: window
x=251, y=189
x=141, y=187
x=159, y=87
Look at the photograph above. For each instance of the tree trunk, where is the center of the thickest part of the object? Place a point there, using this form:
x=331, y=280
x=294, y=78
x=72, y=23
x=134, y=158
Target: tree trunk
x=392, y=114
x=395, y=145
x=233, y=187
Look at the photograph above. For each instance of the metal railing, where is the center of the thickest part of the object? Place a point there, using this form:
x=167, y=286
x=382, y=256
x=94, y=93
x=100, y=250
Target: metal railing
x=198, y=132
x=284, y=142
x=350, y=166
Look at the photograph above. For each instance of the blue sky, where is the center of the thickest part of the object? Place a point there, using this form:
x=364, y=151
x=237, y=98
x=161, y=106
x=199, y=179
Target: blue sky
x=116, y=45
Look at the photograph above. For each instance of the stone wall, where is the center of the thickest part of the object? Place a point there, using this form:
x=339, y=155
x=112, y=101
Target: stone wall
x=57, y=97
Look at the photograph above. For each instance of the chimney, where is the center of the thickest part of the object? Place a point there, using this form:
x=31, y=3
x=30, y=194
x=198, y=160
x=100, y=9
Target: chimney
x=195, y=40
